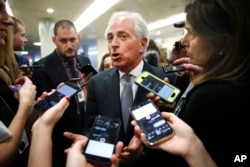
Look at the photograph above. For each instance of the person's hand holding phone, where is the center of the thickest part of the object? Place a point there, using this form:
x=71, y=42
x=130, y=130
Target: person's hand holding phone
x=184, y=143
x=104, y=135
x=64, y=89
x=133, y=150
x=161, y=104
x=41, y=133
x=189, y=69
x=75, y=157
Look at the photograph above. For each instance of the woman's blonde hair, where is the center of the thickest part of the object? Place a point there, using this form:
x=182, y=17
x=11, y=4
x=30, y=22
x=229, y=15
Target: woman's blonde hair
x=8, y=63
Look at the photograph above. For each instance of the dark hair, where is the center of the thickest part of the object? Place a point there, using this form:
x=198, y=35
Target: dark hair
x=63, y=24
x=102, y=61
x=226, y=24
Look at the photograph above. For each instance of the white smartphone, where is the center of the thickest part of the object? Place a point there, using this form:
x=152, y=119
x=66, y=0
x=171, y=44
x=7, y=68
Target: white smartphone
x=150, y=82
x=68, y=89
x=150, y=120
x=102, y=140
x=167, y=68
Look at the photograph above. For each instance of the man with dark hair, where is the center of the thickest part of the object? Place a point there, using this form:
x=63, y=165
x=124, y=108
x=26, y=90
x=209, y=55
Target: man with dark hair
x=60, y=66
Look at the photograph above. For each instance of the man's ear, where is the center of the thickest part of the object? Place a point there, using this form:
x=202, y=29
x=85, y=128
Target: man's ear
x=54, y=39
x=144, y=44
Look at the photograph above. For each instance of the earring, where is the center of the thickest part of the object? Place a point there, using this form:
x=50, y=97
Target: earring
x=221, y=52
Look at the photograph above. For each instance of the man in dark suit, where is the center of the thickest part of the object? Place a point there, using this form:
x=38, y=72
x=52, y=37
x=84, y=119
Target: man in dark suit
x=127, y=37
x=60, y=66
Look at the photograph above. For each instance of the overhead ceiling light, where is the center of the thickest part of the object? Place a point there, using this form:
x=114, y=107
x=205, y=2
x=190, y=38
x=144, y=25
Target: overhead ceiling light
x=37, y=43
x=97, y=8
x=22, y=52
x=158, y=33
x=166, y=22
x=50, y=10
x=9, y=11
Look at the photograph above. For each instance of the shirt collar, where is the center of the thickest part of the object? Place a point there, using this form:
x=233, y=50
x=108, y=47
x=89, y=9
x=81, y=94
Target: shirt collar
x=136, y=71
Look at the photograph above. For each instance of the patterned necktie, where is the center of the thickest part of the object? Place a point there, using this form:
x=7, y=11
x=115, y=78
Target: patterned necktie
x=72, y=69
x=126, y=99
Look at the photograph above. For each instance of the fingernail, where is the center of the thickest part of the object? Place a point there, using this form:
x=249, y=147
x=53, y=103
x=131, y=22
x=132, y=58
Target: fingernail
x=67, y=98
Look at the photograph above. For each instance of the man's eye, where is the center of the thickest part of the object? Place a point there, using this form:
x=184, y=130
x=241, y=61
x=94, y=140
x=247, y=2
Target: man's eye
x=123, y=36
x=110, y=38
x=72, y=40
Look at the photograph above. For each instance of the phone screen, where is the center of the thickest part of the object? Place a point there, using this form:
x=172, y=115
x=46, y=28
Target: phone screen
x=54, y=98
x=160, y=88
x=102, y=140
x=151, y=122
x=166, y=91
x=172, y=68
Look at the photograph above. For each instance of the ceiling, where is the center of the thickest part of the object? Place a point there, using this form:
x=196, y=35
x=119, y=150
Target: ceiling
x=31, y=12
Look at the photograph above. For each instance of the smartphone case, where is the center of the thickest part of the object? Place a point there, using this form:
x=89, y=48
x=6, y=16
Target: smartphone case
x=153, y=125
x=68, y=89
x=104, y=130
x=152, y=83
x=88, y=69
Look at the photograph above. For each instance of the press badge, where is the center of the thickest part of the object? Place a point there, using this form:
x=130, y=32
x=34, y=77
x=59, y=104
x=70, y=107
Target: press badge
x=24, y=143
x=80, y=96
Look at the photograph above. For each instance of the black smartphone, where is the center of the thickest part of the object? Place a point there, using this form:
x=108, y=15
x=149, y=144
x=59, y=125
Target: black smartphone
x=150, y=82
x=74, y=80
x=88, y=69
x=167, y=68
x=67, y=89
x=151, y=122
x=178, y=45
x=33, y=66
x=102, y=140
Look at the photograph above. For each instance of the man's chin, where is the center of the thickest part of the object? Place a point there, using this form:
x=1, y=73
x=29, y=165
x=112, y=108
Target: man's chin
x=70, y=55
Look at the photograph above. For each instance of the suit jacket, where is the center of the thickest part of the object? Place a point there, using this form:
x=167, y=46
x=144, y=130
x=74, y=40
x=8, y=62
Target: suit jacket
x=104, y=98
x=21, y=60
x=47, y=78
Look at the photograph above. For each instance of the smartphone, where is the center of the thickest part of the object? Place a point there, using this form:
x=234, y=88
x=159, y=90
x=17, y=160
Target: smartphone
x=164, y=90
x=151, y=122
x=88, y=69
x=74, y=80
x=33, y=66
x=68, y=89
x=178, y=45
x=102, y=140
x=172, y=68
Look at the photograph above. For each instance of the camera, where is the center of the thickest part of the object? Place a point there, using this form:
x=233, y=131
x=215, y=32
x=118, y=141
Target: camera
x=178, y=45
x=180, y=24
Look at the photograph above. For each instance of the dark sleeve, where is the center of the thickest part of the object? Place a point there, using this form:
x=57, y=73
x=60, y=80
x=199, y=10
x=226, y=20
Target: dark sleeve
x=21, y=60
x=91, y=109
x=219, y=115
x=41, y=79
